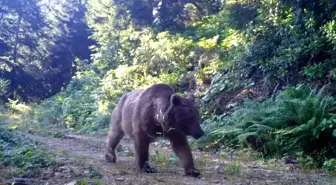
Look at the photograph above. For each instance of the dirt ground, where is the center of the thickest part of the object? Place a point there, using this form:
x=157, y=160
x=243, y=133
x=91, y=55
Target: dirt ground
x=81, y=158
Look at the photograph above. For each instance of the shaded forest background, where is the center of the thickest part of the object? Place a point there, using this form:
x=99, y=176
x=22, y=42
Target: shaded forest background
x=265, y=69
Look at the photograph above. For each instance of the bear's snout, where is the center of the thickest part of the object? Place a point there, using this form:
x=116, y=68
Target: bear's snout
x=197, y=134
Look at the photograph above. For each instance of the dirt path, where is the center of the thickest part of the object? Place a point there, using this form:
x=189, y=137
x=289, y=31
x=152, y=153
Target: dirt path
x=81, y=157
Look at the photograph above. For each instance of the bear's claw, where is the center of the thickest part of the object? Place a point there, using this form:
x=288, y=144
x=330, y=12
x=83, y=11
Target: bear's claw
x=148, y=169
x=110, y=158
x=193, y=172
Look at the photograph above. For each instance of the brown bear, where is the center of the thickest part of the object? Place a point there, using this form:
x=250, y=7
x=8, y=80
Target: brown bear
x=155, y=112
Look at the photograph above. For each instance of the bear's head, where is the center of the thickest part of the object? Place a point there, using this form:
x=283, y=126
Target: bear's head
x=183, y=115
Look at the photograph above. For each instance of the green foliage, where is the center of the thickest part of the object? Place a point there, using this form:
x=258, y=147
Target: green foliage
x=59, y=134
x=306, y=162
x=264, y=42
x=164, y=160
x=159, y=157
x=3, y=86
x=299, y=119
x=330, y=165
x=16, y=106
x=22, y=154
x=163, y=53
x=80, y=106
x=233, y=167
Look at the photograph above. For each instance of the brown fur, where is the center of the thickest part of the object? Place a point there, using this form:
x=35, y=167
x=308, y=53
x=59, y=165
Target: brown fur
x=148, y=114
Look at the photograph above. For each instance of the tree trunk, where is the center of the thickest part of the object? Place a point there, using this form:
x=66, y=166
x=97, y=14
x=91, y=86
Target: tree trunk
x=16, y=42
x=298, y=12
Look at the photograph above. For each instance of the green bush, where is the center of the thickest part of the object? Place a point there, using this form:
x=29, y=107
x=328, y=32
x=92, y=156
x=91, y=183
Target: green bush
x=22, y=154
x=80, y=107
x=330, y=165
x=299, y=119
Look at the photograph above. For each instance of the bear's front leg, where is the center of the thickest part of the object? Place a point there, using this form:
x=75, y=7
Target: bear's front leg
x=141, y=144
x=182, y=149
x=113, y=139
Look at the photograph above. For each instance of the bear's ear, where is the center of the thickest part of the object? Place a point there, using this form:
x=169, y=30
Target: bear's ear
x=175, y=100
x=191, y=96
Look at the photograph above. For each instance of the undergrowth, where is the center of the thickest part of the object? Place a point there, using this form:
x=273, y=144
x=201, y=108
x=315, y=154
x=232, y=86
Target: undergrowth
x=22, y=155
x=298, y=120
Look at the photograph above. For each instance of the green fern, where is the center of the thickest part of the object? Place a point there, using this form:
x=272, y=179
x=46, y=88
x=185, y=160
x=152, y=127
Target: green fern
x=299, y=119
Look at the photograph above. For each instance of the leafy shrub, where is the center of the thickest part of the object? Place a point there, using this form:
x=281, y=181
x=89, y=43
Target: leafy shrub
x=330, y=165
x=22, y=154
x=48, y=112
x=306, y=162
x=163, y=53
x=80, y=106
x=299, y=119
x=16, y=106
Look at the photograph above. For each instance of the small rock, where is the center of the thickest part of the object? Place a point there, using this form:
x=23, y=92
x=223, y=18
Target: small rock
x=270, y=182
x=65, y=169
x=69, y=137
x=58, y=174
x=289, y=167
x=74, y=169
x=216, y=168
x=46, y=175
x=120, y=179
x=30, y=131
x=71, y=183
x=322, y=174
x=203, y=178
x=290, y=160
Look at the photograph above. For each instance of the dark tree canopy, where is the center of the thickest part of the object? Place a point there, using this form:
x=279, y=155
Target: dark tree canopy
x=39, y=41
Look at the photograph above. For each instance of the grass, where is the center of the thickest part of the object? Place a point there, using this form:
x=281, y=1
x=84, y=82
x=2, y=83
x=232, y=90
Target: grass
x=233, y=167
x=125, y=151
x=165, y=159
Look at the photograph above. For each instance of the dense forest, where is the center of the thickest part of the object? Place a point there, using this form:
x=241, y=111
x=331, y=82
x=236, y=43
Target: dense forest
x=265, y=70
